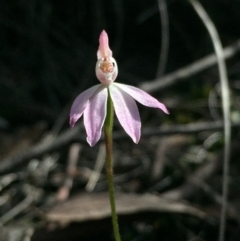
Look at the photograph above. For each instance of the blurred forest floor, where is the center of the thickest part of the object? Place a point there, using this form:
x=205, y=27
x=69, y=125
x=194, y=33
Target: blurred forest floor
x=53, y=185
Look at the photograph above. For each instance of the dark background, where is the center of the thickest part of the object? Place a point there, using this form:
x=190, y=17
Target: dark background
x=47, y=57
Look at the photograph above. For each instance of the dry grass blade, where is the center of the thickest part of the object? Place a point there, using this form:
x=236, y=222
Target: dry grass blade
x=165, y=37
x=225, y=105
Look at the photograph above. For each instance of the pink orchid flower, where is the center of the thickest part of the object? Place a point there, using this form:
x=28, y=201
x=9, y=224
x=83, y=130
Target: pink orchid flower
x=92, y=103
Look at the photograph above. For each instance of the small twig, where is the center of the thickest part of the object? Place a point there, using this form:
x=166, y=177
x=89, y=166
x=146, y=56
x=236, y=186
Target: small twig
x=8, y=179
x=71, y=135
x=225, y=106
x=16, y=210
x=63, y=192
x=159, y=160
x=97, y=169
x=28, y=234
x=189, y=70
x=185, y=128
x=39, y=149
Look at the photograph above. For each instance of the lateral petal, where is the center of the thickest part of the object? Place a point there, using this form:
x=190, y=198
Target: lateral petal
x=80, y=103
x=95, y=114
x=142, y=97
x=126, y=111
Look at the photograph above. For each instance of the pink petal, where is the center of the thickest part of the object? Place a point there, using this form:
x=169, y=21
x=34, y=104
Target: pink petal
x=103, y=50
x=126, y=111
x=94, y=115
x=142, y=97
x=80, y=104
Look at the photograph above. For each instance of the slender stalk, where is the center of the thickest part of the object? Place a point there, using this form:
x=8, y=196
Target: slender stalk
x=109, y=165
x=225, y=106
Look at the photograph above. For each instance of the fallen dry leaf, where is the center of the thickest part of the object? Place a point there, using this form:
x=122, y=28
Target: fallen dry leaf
x=93, y=206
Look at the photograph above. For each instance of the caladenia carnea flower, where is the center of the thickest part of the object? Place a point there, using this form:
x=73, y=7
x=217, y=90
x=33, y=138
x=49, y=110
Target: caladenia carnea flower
x=92, y=103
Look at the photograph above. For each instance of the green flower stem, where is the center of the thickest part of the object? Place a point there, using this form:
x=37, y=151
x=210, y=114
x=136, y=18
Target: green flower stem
x=109, y=164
